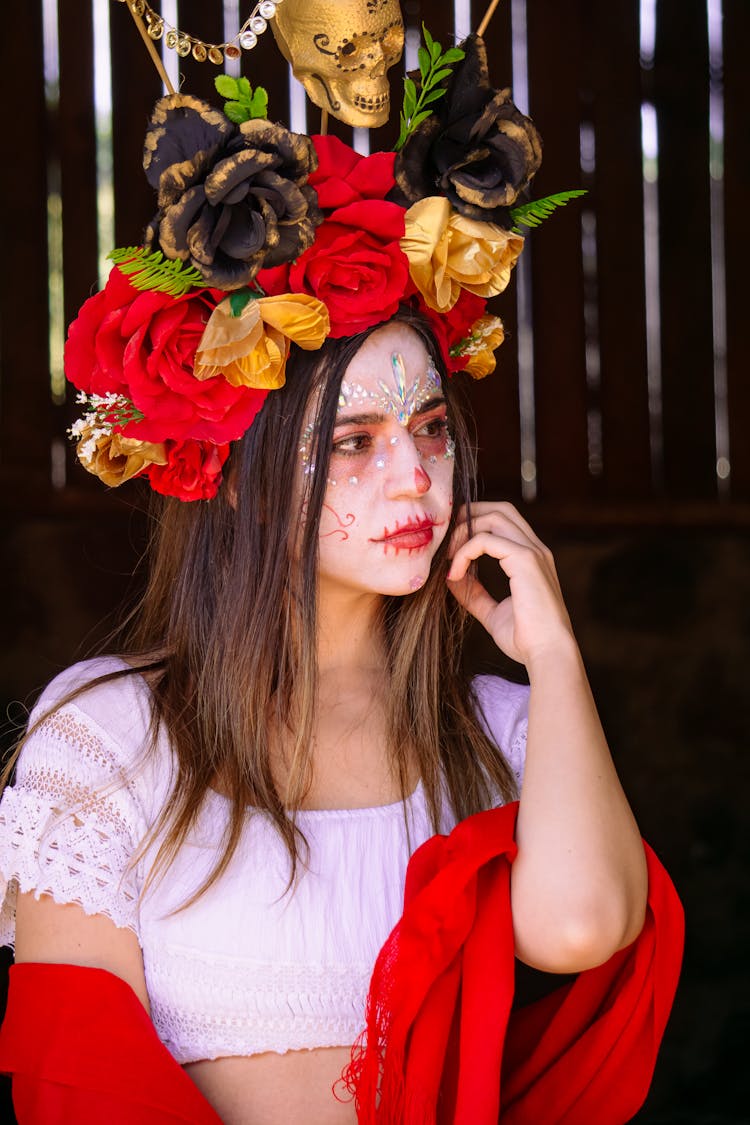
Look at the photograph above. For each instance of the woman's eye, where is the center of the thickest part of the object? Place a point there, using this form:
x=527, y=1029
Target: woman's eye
x=435, y=427
x=353, y=443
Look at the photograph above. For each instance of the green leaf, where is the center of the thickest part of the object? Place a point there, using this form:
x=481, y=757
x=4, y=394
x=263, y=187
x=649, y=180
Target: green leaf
x=534, y=213
x=433, y=95
x=226, y=86
x=410, y=97
x=259, y=102
x=244, y=90
x=434, y=68
x=153, y=271
x=420, y=117
x=239, y=299
x=236, y=112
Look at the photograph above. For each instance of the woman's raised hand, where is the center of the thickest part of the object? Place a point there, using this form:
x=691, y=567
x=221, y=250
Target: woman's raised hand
x=533, y=619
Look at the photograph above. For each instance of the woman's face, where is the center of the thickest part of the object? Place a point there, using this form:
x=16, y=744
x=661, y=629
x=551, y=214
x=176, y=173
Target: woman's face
x=390, y=476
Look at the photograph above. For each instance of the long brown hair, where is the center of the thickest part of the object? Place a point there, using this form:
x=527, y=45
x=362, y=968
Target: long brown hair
x=226, y=631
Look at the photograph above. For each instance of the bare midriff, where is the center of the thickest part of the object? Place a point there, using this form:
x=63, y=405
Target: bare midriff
x=271, y=1089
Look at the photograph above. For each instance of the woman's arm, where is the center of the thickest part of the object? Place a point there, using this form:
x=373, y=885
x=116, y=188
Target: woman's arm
x=64, y=934
x=578, y=885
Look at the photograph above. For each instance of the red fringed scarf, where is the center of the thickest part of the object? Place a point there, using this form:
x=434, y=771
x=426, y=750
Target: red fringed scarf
x=83, y=1051
x=440, y=1031
x=442, y=1046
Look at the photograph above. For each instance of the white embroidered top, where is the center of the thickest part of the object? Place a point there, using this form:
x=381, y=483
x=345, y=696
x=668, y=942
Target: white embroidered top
x=246, y=968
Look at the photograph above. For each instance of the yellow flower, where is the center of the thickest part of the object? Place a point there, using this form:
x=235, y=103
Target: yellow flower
x=448, y=252
x=114, y=458
x=250, y=350
x=487, y=333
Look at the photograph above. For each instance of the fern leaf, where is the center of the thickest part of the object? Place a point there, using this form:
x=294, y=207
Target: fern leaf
x=533, y=214
x=153, y=271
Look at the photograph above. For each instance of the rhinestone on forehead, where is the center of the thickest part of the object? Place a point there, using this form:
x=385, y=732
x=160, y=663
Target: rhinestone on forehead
x=403, y=400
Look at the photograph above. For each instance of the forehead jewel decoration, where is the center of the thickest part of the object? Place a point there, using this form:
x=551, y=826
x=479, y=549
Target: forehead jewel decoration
x=263, y=238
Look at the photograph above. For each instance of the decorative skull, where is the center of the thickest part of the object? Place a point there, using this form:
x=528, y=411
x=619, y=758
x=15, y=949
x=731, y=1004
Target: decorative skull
x=340, y=51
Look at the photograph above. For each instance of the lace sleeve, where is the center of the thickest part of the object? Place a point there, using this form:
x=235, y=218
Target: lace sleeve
x=504, y=709
x=72, y=820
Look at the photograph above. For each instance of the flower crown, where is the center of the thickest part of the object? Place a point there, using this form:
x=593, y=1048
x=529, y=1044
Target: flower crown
x=265, y=238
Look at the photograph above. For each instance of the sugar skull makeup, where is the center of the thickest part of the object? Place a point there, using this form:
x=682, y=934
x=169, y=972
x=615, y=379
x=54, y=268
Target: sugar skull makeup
x=390, y=473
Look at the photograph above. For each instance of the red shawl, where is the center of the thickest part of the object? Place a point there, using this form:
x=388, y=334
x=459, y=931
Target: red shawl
x=83, y=1051
x=442, y=1045
x=440, y=1030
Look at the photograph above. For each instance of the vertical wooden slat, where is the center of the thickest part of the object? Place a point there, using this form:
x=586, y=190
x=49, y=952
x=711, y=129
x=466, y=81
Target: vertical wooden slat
x=77, y=155
x=25, y=408
x=611, y=101
x=76, y=131
x=554, y=36
x=495, y=399
x=135, y=88
x=681, y=89
x=207, y=22
x=737, y=227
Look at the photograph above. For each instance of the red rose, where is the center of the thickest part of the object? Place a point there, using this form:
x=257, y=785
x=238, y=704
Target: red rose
x=343, y=176
x=274, y=280
x=192, y=472
x=454, y=326
x=142, y=345
x=356, y=266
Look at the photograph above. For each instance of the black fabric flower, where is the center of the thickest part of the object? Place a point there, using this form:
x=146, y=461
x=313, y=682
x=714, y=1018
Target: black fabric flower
x=232, y=199
x=476, y=148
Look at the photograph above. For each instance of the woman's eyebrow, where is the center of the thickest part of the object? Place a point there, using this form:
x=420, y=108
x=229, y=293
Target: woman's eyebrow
x=374, y=419
x=436, y=400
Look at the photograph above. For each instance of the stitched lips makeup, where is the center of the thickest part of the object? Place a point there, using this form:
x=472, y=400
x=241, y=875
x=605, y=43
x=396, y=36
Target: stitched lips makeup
x=414, y=535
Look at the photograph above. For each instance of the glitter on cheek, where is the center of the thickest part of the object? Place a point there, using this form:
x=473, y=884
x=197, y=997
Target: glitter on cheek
x=450, y=449
x=353, y=480
x=331, y=483
x=393, y=441
x=380, y=463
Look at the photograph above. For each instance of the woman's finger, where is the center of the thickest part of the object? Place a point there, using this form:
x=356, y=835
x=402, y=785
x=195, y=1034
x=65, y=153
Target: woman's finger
x=472, y=595
x=498, y=547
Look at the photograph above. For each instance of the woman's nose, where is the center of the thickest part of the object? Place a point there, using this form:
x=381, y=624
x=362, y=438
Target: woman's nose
x=405, y=473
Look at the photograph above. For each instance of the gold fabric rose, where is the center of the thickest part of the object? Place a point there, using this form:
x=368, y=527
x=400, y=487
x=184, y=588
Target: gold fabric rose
x=114, y=458
x=487, y=333
x=251, y=349
x=448, y=252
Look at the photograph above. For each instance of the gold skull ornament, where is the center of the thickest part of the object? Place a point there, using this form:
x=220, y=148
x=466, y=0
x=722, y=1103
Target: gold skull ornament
x=340, y=52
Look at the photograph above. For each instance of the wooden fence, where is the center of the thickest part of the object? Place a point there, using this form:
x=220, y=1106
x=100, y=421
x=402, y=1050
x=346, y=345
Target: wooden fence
x=631, y=401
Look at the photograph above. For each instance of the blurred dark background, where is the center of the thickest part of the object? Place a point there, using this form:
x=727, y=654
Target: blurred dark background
x=617, y=418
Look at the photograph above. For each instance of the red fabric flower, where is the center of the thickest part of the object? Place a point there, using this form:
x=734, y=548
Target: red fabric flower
x=343, y=176
x=454, y=326
x=142, y=345
x=356, y=266
x=192, y=472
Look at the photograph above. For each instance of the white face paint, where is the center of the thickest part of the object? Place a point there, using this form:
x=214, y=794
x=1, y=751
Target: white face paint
x=390, y=476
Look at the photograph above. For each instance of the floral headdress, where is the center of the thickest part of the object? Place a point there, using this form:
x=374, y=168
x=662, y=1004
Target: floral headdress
x=263, y=238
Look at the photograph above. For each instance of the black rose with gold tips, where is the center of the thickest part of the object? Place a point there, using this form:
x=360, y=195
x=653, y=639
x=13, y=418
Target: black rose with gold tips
x=476, y=147
x=233, y=199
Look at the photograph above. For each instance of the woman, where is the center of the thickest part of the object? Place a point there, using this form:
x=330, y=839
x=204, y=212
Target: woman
x=390, y=555
x=221, y=816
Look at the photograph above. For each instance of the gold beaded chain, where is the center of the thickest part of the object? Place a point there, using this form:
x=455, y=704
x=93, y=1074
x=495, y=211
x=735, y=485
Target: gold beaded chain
x=186, y=44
